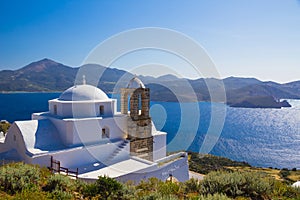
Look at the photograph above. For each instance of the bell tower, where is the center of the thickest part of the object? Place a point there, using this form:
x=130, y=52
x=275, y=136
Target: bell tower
x=139, y=124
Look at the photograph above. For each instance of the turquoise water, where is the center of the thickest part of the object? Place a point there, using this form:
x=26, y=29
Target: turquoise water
x=262, y=137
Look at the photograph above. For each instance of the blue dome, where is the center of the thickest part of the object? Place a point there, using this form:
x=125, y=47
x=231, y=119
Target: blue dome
x=83, y=93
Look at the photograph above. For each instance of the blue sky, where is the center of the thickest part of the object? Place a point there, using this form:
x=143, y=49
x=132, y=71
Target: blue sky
x=248, y=38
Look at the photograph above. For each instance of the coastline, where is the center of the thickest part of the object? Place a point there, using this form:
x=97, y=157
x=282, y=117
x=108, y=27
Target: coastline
x=282, y=103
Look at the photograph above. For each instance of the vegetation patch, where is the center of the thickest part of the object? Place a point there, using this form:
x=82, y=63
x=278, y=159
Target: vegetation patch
x=221, y=182
x=4, y=126
x=205, y=163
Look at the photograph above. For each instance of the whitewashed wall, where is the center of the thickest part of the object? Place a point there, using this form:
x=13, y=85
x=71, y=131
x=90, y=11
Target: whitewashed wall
x=17, y=144
x=82, y=109
x=159, y=145
x=83, y=156
x=178, y=169
x=90, y=130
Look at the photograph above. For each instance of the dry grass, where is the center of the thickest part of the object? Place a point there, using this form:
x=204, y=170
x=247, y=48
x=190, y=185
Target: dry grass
x=294, y=175
x=271, y=172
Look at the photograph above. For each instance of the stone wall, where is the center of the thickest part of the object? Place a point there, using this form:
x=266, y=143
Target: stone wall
x=140, y=96
x=139, y=129
x=137, y=96
x=142, y=147
x=139, y=125
x=125, y=92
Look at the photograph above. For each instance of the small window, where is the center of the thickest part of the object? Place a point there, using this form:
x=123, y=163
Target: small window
x=140, y=103
x=15, y=138
x=55, y=109
x=105, y=133
x=101, y=110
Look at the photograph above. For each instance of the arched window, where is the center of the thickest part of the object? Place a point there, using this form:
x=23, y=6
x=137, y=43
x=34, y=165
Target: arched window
x=101, y=110
x=105, y=132
x=55, y=109
x=139, y=104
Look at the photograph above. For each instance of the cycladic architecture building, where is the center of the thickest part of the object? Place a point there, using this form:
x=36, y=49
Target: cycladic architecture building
x=83, y=133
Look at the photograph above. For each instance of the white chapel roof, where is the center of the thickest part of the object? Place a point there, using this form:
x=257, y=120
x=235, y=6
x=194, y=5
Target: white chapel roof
x=39, y=136
x=83, y=93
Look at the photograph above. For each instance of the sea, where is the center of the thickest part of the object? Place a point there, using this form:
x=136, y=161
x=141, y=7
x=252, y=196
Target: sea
x=261, y=137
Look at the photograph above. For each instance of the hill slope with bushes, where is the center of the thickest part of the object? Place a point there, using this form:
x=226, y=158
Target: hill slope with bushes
x=22, y=181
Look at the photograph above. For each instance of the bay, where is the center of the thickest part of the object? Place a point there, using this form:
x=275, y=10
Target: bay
x=262, y=137
x=20, y=106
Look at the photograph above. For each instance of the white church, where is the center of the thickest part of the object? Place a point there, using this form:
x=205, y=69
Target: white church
x=83, y=134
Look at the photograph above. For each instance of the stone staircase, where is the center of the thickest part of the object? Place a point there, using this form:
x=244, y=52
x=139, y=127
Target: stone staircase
x=116, y=152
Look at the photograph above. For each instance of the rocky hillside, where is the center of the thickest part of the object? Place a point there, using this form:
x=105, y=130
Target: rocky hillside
x=48, y=75
x=44, y=75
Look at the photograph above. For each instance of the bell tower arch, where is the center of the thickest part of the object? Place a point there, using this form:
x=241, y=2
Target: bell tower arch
x=139, y=125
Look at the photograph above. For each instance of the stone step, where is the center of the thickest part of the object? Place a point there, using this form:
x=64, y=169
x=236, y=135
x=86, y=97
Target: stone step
x=117, y=151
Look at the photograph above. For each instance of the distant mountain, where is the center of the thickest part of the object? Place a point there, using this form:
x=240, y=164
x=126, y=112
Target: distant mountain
x=44, y=75
x=259, y=90
x=232, y=83
x=48, y=75
x=108, y=79
x=160, y=79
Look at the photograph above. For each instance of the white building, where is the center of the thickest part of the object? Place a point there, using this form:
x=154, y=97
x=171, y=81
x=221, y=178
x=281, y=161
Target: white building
x=296, y=184
x=85, y=133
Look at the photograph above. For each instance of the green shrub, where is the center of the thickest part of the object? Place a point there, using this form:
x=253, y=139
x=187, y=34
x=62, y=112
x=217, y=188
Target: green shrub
x=79, y=186
x=235, y=184
x=154, y=188
x=103, y=188
x=128, y=191
x=169, y=197
x=284, y=173
x=19, y=176
x=156, y=196
x=150, y=196
x=4, y=126
x=283, y=190
x=59, y=182
x=22, y=181
x=149, y=185
x=205, y=163
x=59, y=194
x=32, y=195
x=45, y=173
x=146, y=188
x=63, y=187
x=213, y=197
x=191, y=186
x=167, y=189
